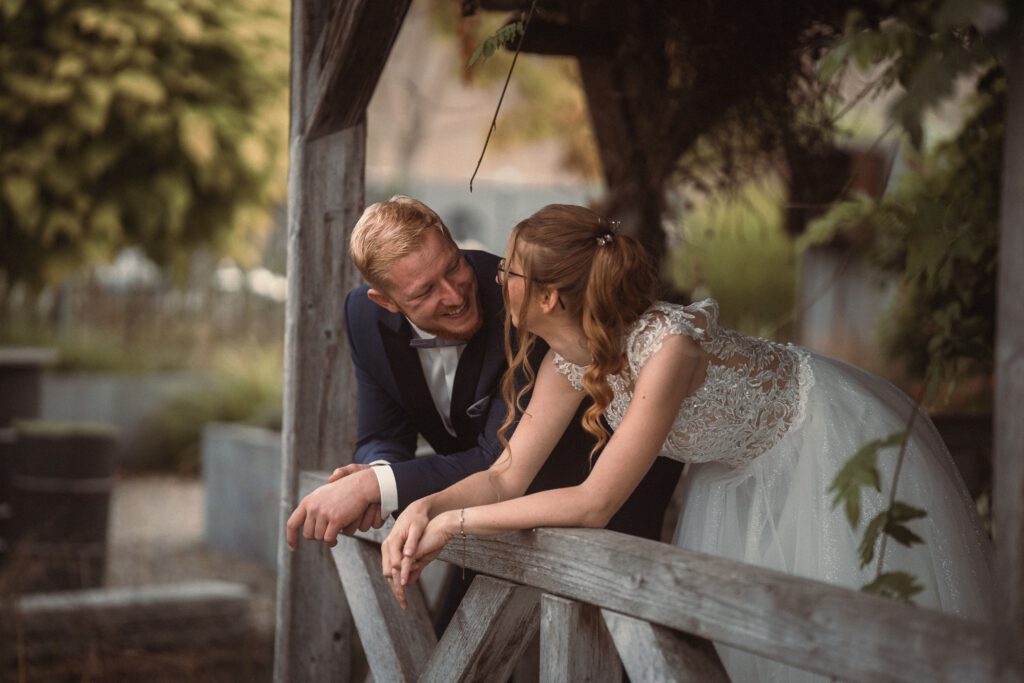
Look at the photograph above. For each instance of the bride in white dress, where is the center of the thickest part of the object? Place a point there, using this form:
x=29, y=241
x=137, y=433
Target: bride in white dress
x=766, y=426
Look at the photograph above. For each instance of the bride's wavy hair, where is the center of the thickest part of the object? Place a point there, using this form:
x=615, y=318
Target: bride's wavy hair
x=604, y=280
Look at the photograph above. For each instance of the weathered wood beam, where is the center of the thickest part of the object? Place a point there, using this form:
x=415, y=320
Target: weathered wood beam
x=1008, y=464
x=552, y=38
x=817, y=626
x=397, y=642
x=654, y=653
x=488, y=634
x=352, y=50
x=325, y=198
x=575, y=644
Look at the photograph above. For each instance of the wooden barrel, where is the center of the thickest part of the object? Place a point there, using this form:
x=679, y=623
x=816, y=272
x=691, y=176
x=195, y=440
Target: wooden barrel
x=61, y=479
x=21, y=379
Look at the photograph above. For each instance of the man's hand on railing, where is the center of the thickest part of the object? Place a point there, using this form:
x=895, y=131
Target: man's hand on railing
x=349, y=501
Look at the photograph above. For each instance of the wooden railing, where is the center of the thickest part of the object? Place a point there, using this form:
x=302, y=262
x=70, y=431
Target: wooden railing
x=599, y=597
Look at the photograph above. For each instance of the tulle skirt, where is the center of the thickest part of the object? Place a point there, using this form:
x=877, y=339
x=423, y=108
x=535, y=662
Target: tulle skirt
x=776, y=511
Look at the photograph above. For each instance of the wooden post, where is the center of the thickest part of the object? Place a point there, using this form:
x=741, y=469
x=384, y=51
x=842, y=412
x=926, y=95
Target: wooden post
x=1008, y=461
x=325, y=197
x=654, y=653
x=487, y=636
x=338, y=51
x=313, y=622
x=397, y=643
x=575, y=644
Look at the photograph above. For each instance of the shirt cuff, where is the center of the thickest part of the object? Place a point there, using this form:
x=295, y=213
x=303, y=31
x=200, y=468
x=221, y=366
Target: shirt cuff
x=388, y=488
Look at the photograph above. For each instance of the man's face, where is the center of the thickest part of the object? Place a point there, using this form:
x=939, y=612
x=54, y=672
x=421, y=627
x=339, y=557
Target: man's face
x=435, y=289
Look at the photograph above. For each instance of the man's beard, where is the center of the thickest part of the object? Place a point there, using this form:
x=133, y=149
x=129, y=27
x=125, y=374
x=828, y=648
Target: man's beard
x=460, y=335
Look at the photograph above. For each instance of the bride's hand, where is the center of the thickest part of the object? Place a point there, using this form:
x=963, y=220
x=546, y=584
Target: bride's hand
x=421, y=550
x=411, y=522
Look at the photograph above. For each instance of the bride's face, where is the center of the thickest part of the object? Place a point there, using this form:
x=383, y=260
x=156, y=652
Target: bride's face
x=510, y=275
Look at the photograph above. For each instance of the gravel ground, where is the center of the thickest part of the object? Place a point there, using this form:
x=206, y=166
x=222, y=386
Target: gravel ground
x=156, y=536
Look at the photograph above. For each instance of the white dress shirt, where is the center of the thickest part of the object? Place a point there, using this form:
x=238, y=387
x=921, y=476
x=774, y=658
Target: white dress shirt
x=439, y=366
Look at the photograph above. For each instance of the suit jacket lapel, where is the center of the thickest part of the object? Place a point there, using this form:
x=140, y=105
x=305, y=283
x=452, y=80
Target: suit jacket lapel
x=466, y=378
x=412, y=385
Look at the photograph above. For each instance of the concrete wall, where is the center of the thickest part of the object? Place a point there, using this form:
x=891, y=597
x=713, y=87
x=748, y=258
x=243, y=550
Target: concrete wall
x=241, y=469
x=123, y=400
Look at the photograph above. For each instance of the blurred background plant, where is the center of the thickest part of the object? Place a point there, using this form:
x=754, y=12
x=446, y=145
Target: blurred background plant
x=721, y=239
x=244, y=386
x=936, y=230
x=148, y=124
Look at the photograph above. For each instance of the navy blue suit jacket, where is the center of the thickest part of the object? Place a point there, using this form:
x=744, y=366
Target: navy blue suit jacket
x=395, y=402
x=395, y=405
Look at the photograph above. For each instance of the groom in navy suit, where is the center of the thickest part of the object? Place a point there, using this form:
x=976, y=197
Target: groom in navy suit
x=427, y=341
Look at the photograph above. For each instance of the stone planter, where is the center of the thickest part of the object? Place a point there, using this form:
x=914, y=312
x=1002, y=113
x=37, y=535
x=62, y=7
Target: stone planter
x=61, y=479
x=21, y=372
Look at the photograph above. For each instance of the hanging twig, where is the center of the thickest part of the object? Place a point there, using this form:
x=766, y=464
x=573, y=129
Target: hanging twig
x=494, y=121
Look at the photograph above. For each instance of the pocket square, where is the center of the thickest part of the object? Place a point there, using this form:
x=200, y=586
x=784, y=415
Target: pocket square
x=479, y=408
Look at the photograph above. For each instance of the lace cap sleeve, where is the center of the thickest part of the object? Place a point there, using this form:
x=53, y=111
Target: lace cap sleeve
x=699, y=321
x=572, y=372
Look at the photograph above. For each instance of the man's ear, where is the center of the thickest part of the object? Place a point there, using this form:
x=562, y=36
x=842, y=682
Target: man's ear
x=381, y=299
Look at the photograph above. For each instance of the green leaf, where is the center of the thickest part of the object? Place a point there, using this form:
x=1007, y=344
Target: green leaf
x=22, y=196
x=896, y=585
x=60, y=223
x=866, y=550
x=503, y=37
x=860, y=470
x=10, y=8
x=141, y=86
x=834, y=61
x=895, y=527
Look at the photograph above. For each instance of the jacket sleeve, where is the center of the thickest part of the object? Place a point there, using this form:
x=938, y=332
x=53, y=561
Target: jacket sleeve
x=429, y=474
x=383, y=428
x=426, y=475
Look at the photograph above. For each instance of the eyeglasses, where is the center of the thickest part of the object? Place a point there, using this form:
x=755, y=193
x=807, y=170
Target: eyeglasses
x=503, y=273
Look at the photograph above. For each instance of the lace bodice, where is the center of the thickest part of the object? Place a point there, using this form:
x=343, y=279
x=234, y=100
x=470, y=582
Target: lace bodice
x=754, y=390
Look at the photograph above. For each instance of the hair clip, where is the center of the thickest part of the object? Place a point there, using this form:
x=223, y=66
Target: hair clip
x=604, y=239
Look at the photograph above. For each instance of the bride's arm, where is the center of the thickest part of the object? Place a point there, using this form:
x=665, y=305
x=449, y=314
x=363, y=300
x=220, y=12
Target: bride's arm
x=665, y=380
x=552, y=405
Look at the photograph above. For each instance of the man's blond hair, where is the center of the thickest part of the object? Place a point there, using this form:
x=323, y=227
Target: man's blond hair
x=389, y=231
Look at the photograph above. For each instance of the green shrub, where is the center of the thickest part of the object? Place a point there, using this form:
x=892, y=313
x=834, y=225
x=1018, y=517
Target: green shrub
x=244, y=387
x=735, y=250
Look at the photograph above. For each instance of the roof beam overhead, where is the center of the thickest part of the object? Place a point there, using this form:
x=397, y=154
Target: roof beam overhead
x=351, y=51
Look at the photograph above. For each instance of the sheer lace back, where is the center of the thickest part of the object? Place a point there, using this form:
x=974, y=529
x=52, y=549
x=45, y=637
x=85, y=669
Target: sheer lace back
x=754, y=390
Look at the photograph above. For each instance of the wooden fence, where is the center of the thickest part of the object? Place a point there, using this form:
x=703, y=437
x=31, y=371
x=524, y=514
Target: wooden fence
x=598, y=598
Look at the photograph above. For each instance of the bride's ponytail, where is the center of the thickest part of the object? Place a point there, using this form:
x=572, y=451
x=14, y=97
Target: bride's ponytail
x=603, y=278
x=619, y=289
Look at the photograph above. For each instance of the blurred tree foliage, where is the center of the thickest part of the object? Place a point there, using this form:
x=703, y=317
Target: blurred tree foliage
x=938, y=229
x=157, y=123
x=720, y=238
x=548, y=101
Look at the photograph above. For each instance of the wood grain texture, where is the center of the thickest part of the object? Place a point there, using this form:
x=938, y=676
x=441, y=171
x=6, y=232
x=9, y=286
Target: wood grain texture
x=350, y=55
x=397, y=642
x=809, y=624
x=1008, y=460
x=652, y=653
x=575, y=644
x=325, y=198
x=488, y=634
